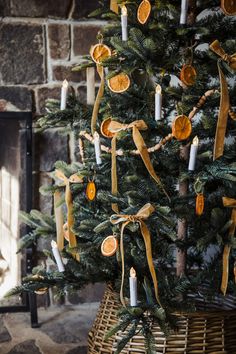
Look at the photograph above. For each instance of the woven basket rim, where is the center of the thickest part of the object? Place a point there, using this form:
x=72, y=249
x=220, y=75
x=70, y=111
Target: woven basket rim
x=198, y=313
x=206, y=313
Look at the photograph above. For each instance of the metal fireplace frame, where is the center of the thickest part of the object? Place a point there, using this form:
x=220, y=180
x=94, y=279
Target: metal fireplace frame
x=29, y=303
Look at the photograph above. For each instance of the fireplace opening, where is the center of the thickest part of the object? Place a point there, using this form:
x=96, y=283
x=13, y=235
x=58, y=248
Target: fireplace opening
x=15, y=195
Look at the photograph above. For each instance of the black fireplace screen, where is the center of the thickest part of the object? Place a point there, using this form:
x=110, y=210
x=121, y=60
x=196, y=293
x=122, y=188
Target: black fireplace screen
x=15, y=195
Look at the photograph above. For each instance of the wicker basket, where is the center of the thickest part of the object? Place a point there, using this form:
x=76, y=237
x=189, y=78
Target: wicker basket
x=212, y=332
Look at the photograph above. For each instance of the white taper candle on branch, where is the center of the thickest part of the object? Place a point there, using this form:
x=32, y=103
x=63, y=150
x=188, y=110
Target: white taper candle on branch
x=193, y=154
x=57, y=256
x=184, y=12
x=90, y=74
x=64, y=91
x=158, y=102
x=124, y=23
x=97, y=147
x=133, y=287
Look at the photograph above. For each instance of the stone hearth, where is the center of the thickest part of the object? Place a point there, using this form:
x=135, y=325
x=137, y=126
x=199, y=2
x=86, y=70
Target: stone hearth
x=63, y=330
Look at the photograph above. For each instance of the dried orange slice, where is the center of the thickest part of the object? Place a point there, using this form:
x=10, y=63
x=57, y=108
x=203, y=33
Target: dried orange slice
x=144, y=11
x=104, y=128
x=199, y=204
x=229, y=7
x=188, y=75
x=181, y=127
x=91, y=191
x=40, y=291
x=99, y=52
x=119, y=83
x=109, y=246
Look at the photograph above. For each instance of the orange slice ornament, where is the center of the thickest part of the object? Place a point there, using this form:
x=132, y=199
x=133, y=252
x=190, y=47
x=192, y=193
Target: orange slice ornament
x=119, y=83
x=144, y=11
x=109, y=246
x=91, y=191
x=188, y=75
x=100, y=52
x=181, y=127
x=40, y=291
x=104, y=128
x=229, y=7
x=199, y=204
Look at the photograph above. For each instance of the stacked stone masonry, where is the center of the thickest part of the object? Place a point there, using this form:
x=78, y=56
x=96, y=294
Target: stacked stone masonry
x=40, y=41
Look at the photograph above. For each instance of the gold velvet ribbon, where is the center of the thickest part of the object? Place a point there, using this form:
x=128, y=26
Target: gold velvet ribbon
x=142, y=215
x=224, y=99
x=58, y=212
x=136, y=126
x=100, y=93
x=114, y=183
x=230, y=203
x=114, y=6
x=69, y=203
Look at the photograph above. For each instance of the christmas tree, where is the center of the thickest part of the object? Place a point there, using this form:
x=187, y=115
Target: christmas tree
x=152, y=196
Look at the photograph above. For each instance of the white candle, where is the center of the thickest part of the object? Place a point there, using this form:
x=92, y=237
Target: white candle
x=57, y=256
x=193, y=154
x=184, y=12
x=64, y=91
x=97, y=146
x=133, y=287
x=124, y=23
x=158, y=103
x=90, y=85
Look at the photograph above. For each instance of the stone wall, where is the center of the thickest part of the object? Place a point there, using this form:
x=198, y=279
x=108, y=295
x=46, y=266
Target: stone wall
x=40, y=41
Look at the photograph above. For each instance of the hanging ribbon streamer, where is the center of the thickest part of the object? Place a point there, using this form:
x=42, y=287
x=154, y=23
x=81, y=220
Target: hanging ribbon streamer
x=224, y=99
x=142, y=215
x=100, y=93
x=230, y=203
x=69, y=203
x=222, y=117
x=114, y=6
x=116, y=127
x=114, y=183
x=58, y=212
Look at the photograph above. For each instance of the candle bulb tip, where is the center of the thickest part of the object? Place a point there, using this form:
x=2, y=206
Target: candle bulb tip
x=124, y=10
x=65, y=83
x=53, y=244
x=132, y=273
x=158, y=88
x=195, y=141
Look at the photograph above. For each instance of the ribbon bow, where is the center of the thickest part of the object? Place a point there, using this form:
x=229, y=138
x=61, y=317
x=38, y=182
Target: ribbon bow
x=69, y=203
x=224, y=99
x=114, y=6
x=136, y=126
x=142, y=215
x=230, y=203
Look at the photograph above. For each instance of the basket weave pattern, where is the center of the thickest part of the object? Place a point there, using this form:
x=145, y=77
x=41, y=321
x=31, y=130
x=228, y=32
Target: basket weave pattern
x=211, y=332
